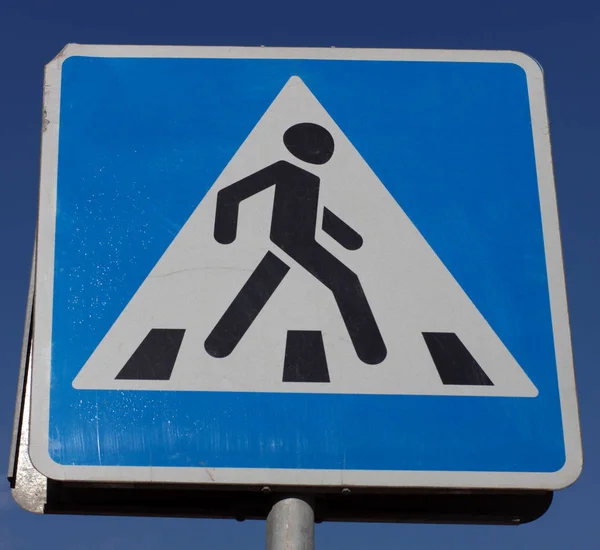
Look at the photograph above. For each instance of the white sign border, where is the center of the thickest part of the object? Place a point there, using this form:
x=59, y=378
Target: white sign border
x=295, y=477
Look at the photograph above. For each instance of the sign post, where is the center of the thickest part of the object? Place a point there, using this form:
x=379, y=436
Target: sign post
x=333, y=273
x=291, y=525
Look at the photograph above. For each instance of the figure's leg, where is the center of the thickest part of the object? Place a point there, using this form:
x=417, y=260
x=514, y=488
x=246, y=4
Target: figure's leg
x=246, y=306
x=358, y=317
x=350, y=298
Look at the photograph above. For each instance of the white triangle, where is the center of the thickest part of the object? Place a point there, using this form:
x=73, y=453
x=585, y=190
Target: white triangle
x=409, y=289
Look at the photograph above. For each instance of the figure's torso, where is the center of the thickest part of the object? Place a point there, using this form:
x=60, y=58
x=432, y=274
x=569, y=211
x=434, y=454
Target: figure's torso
x=294, y=207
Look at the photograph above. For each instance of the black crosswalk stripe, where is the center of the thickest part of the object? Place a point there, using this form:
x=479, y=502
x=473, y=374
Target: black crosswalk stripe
x=155, y=357
x=305, y=359
x=454, y=363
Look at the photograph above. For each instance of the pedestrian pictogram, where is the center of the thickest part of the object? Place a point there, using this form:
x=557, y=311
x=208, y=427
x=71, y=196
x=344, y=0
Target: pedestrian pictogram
x=293, y=229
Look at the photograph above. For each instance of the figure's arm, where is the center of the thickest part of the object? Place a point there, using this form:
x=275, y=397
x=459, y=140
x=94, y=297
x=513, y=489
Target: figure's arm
x=229, y=198
x=340, y=231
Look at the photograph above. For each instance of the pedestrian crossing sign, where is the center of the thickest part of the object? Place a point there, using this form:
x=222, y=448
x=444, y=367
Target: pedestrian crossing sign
x=319, y=267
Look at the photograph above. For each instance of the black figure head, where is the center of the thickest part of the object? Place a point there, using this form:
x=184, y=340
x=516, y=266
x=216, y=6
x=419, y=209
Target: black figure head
x=309, y=142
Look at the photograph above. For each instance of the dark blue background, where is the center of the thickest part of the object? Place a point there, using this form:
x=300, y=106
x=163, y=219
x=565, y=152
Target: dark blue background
x=562, y=36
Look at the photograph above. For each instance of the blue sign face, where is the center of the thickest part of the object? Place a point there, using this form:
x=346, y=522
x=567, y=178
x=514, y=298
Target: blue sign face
x=454, y=366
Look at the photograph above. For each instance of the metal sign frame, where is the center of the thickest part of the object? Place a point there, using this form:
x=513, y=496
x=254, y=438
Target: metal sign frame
x=502, y=501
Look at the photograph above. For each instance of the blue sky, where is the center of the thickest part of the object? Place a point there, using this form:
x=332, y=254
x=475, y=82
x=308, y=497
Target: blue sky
x=561, y=36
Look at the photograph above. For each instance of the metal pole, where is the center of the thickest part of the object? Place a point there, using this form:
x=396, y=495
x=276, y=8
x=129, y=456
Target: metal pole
x=291, y=525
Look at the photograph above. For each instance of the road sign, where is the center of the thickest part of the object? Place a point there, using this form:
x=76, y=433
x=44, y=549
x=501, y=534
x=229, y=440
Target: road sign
x=324, y=268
